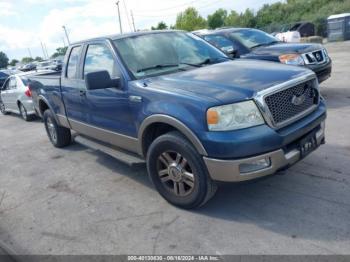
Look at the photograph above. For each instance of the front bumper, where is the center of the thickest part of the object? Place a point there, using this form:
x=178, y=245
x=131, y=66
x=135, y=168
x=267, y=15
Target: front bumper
x=322, y=71
x=231, y=171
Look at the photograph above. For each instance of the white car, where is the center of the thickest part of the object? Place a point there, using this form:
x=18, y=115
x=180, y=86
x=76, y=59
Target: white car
x=16, y=97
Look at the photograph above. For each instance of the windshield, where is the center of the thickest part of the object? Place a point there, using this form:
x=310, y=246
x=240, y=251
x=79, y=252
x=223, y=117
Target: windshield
x=253, y=38
x=3, y=75
x=219, y=41
x=164, y=53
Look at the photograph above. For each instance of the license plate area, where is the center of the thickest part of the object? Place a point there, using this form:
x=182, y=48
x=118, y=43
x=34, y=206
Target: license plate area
x=308, y=144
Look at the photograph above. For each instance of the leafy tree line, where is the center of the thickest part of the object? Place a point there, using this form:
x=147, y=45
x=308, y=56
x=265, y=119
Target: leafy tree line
x=271, y=17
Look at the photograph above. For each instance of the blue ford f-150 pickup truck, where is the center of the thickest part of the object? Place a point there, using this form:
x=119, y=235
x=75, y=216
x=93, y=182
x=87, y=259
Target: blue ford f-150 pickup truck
x=174, y=101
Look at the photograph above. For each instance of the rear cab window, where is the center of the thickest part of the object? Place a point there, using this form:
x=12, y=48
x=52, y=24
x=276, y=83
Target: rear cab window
x=73, y=62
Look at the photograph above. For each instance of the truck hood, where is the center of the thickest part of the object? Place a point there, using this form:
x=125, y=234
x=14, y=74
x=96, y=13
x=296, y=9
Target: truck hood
x=285, y=48
x=228, y=82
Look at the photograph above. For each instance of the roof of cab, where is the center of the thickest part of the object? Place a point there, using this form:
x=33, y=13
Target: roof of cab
x=126, y=35
x=224, y=30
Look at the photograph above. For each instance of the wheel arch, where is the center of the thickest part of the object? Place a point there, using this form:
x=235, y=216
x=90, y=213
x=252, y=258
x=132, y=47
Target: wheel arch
x=165, y=124
x=43, y=105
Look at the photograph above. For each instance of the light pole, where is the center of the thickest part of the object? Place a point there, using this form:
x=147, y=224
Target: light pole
x=42, y=47
x=120, y=20
x=133, y=20
x=65, y=31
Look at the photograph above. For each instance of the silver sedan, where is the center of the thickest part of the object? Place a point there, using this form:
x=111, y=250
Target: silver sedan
x=16, y=97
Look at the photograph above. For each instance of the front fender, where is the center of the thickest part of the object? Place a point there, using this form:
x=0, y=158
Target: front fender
x=176, y=123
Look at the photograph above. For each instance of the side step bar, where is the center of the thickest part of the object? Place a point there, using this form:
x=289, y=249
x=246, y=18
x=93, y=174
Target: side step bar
x=123, y=156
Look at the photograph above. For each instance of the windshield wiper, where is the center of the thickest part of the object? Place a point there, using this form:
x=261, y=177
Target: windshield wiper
x=209, y=61
x=160, y=66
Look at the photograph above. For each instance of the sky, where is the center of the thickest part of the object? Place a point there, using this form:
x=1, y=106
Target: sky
x=24, y=24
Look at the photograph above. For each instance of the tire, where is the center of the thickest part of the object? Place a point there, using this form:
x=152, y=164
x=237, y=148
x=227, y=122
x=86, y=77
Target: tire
x=178, y=172
x=58, y=135
x=2, y=108
x=23, y=112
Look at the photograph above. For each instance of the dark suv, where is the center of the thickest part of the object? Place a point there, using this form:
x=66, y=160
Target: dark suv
x=255, y=44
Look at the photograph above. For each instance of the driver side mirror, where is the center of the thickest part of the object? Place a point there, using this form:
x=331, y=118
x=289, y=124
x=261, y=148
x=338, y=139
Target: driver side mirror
x=231, y=52
x=100, y=80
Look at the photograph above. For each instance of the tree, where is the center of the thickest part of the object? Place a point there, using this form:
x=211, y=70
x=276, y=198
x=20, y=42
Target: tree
x=13, y=62
x=190, y=20
x=27, y=60
x=60, y=51
x=232, y=19
x=38, y=59
x=4, y=60
x=161, y=26
x=247, y=19
x=217, y=19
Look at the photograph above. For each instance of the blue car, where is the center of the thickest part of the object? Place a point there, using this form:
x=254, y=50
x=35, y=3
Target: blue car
x=171, y=100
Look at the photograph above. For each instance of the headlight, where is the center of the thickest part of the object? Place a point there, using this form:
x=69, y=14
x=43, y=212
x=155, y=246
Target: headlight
x=291, y=59
x=325, y=52
x=234, y=116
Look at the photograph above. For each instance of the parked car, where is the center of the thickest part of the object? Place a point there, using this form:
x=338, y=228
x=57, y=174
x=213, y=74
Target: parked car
x=255, y=44
x=55, y=65
x=16, y=97
x=4, y=74
x=27, y=67
x=170, y=99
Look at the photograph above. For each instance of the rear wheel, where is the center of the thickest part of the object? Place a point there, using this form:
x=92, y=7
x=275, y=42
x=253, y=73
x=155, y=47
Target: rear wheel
x=2, y=108
x=23, y=112
x=178, y=171
x=59, y=136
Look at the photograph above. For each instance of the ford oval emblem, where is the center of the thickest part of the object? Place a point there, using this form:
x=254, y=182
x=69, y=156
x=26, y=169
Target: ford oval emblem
x=298, y=100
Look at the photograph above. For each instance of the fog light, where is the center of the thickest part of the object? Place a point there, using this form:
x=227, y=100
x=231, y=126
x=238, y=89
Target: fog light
x=255, y=165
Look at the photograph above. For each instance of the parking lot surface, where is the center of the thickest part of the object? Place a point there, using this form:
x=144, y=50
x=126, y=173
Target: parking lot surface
x=78, y=201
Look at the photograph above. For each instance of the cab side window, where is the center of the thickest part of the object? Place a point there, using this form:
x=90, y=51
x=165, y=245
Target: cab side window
x=98, y=58
x=72, y=66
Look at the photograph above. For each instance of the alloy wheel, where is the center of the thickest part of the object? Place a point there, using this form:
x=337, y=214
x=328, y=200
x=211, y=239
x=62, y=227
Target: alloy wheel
x=175, y=173
x=23, y=112
x=52, y=130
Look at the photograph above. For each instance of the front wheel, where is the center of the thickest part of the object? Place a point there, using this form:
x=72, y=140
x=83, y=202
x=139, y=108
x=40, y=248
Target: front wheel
x=59, y=136
x=178, y=171
x=2, y=108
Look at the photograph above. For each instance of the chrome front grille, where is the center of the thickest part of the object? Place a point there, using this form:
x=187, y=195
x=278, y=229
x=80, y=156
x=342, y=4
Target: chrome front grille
x=289, y=104
x=315, y=57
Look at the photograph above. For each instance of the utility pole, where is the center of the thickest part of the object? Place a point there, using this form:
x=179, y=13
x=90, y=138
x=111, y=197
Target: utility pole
x=30, y=53
x=47, y=54
x=133, y=21
x=64, y=42
x=65, y=31
x=120, y=20
x=42, y=47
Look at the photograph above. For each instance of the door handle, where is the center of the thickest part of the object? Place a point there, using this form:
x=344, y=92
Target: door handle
x=82, y=93
x=137, y=99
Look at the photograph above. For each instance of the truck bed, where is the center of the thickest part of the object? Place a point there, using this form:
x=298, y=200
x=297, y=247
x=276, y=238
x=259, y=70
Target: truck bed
x=43, y=84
